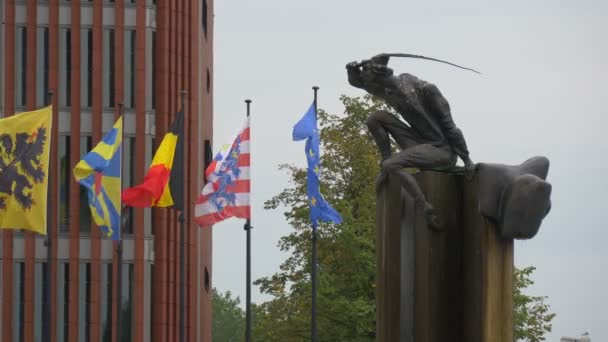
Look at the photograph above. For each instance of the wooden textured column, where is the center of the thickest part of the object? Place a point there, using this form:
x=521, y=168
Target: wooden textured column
x=390, y=206
x=454, y=285
x=438, y=255
x=488, y=277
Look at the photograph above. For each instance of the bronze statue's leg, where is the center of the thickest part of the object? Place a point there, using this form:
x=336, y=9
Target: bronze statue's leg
x=426, y=157
x=382, y=125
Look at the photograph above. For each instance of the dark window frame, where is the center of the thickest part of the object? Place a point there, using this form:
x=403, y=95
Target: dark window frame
x=68, y=67
x=45, y=85
x=111, y=71
x=106, y=331
x=86, y=220
x=132, y=50
x=89, y=68
x=153, y=76
x=18, y=335
x=204, y=17
x=22, y=100
x=64, y=183
x=129, y=226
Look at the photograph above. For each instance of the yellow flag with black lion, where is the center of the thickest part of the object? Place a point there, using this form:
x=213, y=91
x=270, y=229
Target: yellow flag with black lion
x=25, y=143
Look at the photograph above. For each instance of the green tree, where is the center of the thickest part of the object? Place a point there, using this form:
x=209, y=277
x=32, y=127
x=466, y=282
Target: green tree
x=532, y=319
x=228, y=323
x=346, y=269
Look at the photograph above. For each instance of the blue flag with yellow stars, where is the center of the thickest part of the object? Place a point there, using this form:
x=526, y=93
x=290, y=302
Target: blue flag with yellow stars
x=307, y=129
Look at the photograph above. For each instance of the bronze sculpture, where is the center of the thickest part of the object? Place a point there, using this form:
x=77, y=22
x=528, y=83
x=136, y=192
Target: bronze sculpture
x=455, y=285
x=431, y=141
x=515, y=197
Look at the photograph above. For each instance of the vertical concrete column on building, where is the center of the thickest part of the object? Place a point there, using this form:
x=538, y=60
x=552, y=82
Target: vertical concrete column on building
x=96, y=135
x=140, y=165
x=173, y=250
x=119, y=23
x=54, y=182
x=161, y=260
x=187, y=76
x=7, y=235
x=74, y=209
x=194, y=170
x=30, y=246
x=206, y=127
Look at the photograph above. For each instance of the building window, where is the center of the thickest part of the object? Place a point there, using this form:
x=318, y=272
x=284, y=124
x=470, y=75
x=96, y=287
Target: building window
x=21, y=66
x=42, y=63
x=208, y=157
x=128, y=180
x=65, y=67
x=126, y=312
x=84, y=301
x=204, y=17
x=108, y=64
x=68, y=67
x=18, y=301
x=207, y=280
x=208, y=81
x=63, y=301
x=86, y=144
x=106, y=302
x=129, y=63
x=153, y=74
x=151, y=298
x=86, y=67
x=64, y=183
x=40, y=300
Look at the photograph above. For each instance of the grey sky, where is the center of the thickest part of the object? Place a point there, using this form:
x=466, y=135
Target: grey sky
x=540, y=94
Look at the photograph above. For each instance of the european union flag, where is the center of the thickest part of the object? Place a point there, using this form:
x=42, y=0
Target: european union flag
x=100, y=172
x=307, y=129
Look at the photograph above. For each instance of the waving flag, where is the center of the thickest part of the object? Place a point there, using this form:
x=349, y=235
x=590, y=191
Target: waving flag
x=163, y=184
x=307, y=129
x=226, y=193
x=25, y=141
x=100, y=172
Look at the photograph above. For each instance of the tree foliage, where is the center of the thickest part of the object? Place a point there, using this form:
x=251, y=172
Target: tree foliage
x=346, y=259
x=228, y=323
x=532, y=319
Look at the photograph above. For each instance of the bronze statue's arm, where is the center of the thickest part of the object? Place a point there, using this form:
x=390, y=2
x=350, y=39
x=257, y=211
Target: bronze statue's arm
x=354, y=74
x=441, y=108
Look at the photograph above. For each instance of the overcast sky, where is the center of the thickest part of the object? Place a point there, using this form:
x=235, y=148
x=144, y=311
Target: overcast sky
x=543, y=63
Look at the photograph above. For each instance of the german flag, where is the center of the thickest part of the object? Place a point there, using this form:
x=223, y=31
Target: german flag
x=163, y=185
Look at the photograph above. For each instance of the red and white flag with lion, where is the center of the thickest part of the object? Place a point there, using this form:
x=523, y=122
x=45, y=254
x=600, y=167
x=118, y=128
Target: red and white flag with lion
x=227, y=191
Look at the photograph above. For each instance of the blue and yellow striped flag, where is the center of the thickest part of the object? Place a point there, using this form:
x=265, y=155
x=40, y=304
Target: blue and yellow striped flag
x=100, y=172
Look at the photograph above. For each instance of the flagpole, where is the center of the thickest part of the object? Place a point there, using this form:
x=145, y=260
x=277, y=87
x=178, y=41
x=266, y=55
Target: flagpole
x=119, y=242
x=182, y=237
x=48, y=243
x=248, y=227
x=313, y=275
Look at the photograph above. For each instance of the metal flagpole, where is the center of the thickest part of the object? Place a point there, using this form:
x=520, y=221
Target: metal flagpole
x=313, y=272
x=182, y=237
x=48, y=243
x=119, y=242
x=248, y=227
